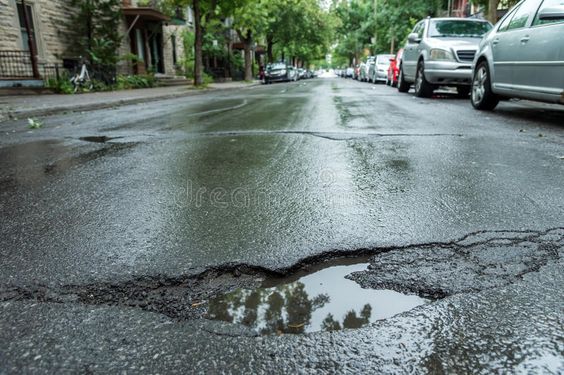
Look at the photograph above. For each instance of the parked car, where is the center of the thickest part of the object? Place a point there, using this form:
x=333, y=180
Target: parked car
x=393, y=69
x=280, y=72
x=522, y=57
x=439, y=52
x=368, y=66
x=356, y=73
x=293, y=73
x=349, y=72
x=380, y=68
x=301, y=73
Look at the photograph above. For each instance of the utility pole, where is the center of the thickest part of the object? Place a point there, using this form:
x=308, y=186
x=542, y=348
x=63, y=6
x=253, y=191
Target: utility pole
x=30, y=42
x=375, y=26
x=449, y=9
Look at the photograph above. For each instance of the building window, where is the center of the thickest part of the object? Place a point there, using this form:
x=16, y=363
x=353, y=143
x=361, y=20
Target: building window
x=23, y=30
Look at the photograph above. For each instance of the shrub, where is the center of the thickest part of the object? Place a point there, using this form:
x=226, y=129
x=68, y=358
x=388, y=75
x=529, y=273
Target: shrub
x=60, y=86
x=135, y=82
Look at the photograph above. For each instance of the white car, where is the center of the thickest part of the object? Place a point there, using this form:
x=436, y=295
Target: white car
x=380, y=70
x=439, y=52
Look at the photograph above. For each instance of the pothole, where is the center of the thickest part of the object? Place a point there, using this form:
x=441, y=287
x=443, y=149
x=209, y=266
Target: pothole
x=97, y=138
x=320, y=301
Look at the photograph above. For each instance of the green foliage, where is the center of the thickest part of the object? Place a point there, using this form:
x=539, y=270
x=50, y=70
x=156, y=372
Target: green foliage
x=361, y=24
x=60, y=86
x=125, y=82
x=187, y=61
x=207, y=79
x=33, y=123
x=299, y=28
x=95, y=30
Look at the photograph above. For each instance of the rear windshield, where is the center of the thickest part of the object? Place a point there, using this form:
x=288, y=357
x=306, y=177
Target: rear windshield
x=384, y=59
x=276, y=67
x=451, y=28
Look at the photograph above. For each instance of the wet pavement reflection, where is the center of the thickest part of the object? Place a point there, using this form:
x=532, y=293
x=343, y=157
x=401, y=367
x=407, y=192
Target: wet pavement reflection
x=322, y=301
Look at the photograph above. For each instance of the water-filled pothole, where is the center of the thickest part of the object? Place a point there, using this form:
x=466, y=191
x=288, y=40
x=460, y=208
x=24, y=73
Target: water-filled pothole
x=320, y=301
x=97, y=138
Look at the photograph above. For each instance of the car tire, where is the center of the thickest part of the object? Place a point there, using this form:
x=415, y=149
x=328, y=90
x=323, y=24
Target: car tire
x=423, y=89
x=482, y=96
x=403, y=85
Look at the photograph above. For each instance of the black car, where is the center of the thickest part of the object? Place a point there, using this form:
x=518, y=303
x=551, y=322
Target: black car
x=278, y=72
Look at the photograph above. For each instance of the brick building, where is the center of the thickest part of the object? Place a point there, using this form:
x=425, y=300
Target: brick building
x=147, y=33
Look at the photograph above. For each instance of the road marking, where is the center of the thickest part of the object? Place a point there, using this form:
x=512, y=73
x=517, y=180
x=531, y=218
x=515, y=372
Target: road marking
x=219, y=110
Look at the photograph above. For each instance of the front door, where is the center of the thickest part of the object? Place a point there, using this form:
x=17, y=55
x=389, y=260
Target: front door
x=542, y=53
x=156, y=46
x=411, y=53
x=508, y=42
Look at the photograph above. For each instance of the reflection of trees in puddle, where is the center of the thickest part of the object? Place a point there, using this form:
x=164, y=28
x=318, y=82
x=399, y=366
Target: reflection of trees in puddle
x=283, y=309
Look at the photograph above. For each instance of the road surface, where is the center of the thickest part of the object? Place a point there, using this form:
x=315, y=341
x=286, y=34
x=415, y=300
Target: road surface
x=118, y=225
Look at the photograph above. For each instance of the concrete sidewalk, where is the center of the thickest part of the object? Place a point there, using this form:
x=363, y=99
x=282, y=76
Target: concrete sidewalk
x=12, y=107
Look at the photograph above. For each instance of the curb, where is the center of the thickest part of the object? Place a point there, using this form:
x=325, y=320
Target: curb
x=43, y=112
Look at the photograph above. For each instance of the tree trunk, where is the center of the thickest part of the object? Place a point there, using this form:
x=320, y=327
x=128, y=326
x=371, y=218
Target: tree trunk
x=492, y=11
x=247, y=39
x=269, y=47
x=248, y=61
x=199, y=41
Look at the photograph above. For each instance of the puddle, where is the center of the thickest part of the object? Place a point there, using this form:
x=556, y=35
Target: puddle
x=97, y=139
x=320, y=301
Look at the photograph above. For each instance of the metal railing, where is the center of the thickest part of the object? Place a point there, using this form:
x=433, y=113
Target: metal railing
x=15, y=64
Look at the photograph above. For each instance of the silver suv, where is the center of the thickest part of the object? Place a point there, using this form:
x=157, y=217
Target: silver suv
x=439, y=52
x=523, y=56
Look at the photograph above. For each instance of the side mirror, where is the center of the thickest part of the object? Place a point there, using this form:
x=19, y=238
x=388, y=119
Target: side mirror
x=552, y=14
x=413, y=38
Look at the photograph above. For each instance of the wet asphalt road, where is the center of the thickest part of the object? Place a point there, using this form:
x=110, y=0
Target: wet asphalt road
x=265, y=178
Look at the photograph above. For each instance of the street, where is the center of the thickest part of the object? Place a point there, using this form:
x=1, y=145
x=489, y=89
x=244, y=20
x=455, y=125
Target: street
x=120, y=225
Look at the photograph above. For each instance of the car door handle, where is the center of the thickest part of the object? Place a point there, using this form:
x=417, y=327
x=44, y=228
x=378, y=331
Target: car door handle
x=495, y=42
x=525, y=39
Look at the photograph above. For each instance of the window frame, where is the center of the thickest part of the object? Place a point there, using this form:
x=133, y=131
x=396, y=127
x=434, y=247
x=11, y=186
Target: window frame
x=528, y=22
x=24, y=41
x=535, y=18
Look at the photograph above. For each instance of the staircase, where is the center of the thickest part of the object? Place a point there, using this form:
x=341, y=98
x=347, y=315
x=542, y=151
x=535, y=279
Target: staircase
x=166, y=81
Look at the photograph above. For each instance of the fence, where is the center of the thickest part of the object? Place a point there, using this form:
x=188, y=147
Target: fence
x=15, y=64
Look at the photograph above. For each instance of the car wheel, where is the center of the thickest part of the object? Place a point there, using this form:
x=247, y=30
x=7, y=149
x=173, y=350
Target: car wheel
x=482, y=97
x=403, y=85
x=423, y=89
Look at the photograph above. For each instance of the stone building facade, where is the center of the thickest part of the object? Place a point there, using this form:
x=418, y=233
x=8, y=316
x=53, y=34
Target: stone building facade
x=153, y=37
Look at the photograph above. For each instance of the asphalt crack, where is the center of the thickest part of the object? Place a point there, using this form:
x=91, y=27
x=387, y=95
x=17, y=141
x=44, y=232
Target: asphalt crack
x=334, y=136
x=480, y=260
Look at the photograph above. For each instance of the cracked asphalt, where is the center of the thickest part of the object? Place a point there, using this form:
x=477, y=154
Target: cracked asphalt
x=118, y=224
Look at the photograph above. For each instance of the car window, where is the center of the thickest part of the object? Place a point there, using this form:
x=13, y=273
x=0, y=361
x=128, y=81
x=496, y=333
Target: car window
x=418, y=29
x=522, y=14
x=505, y=23
x=384, y=59
x=557, y=5
x=421, y=30
x=276, y=67
x=452, y=28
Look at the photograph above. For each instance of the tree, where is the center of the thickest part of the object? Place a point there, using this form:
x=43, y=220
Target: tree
x=95, y=29
x=298, y=28
x=249, y=21
x=204, y=10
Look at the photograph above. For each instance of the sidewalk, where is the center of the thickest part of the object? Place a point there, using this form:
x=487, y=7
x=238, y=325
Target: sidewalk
x=44, y=105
